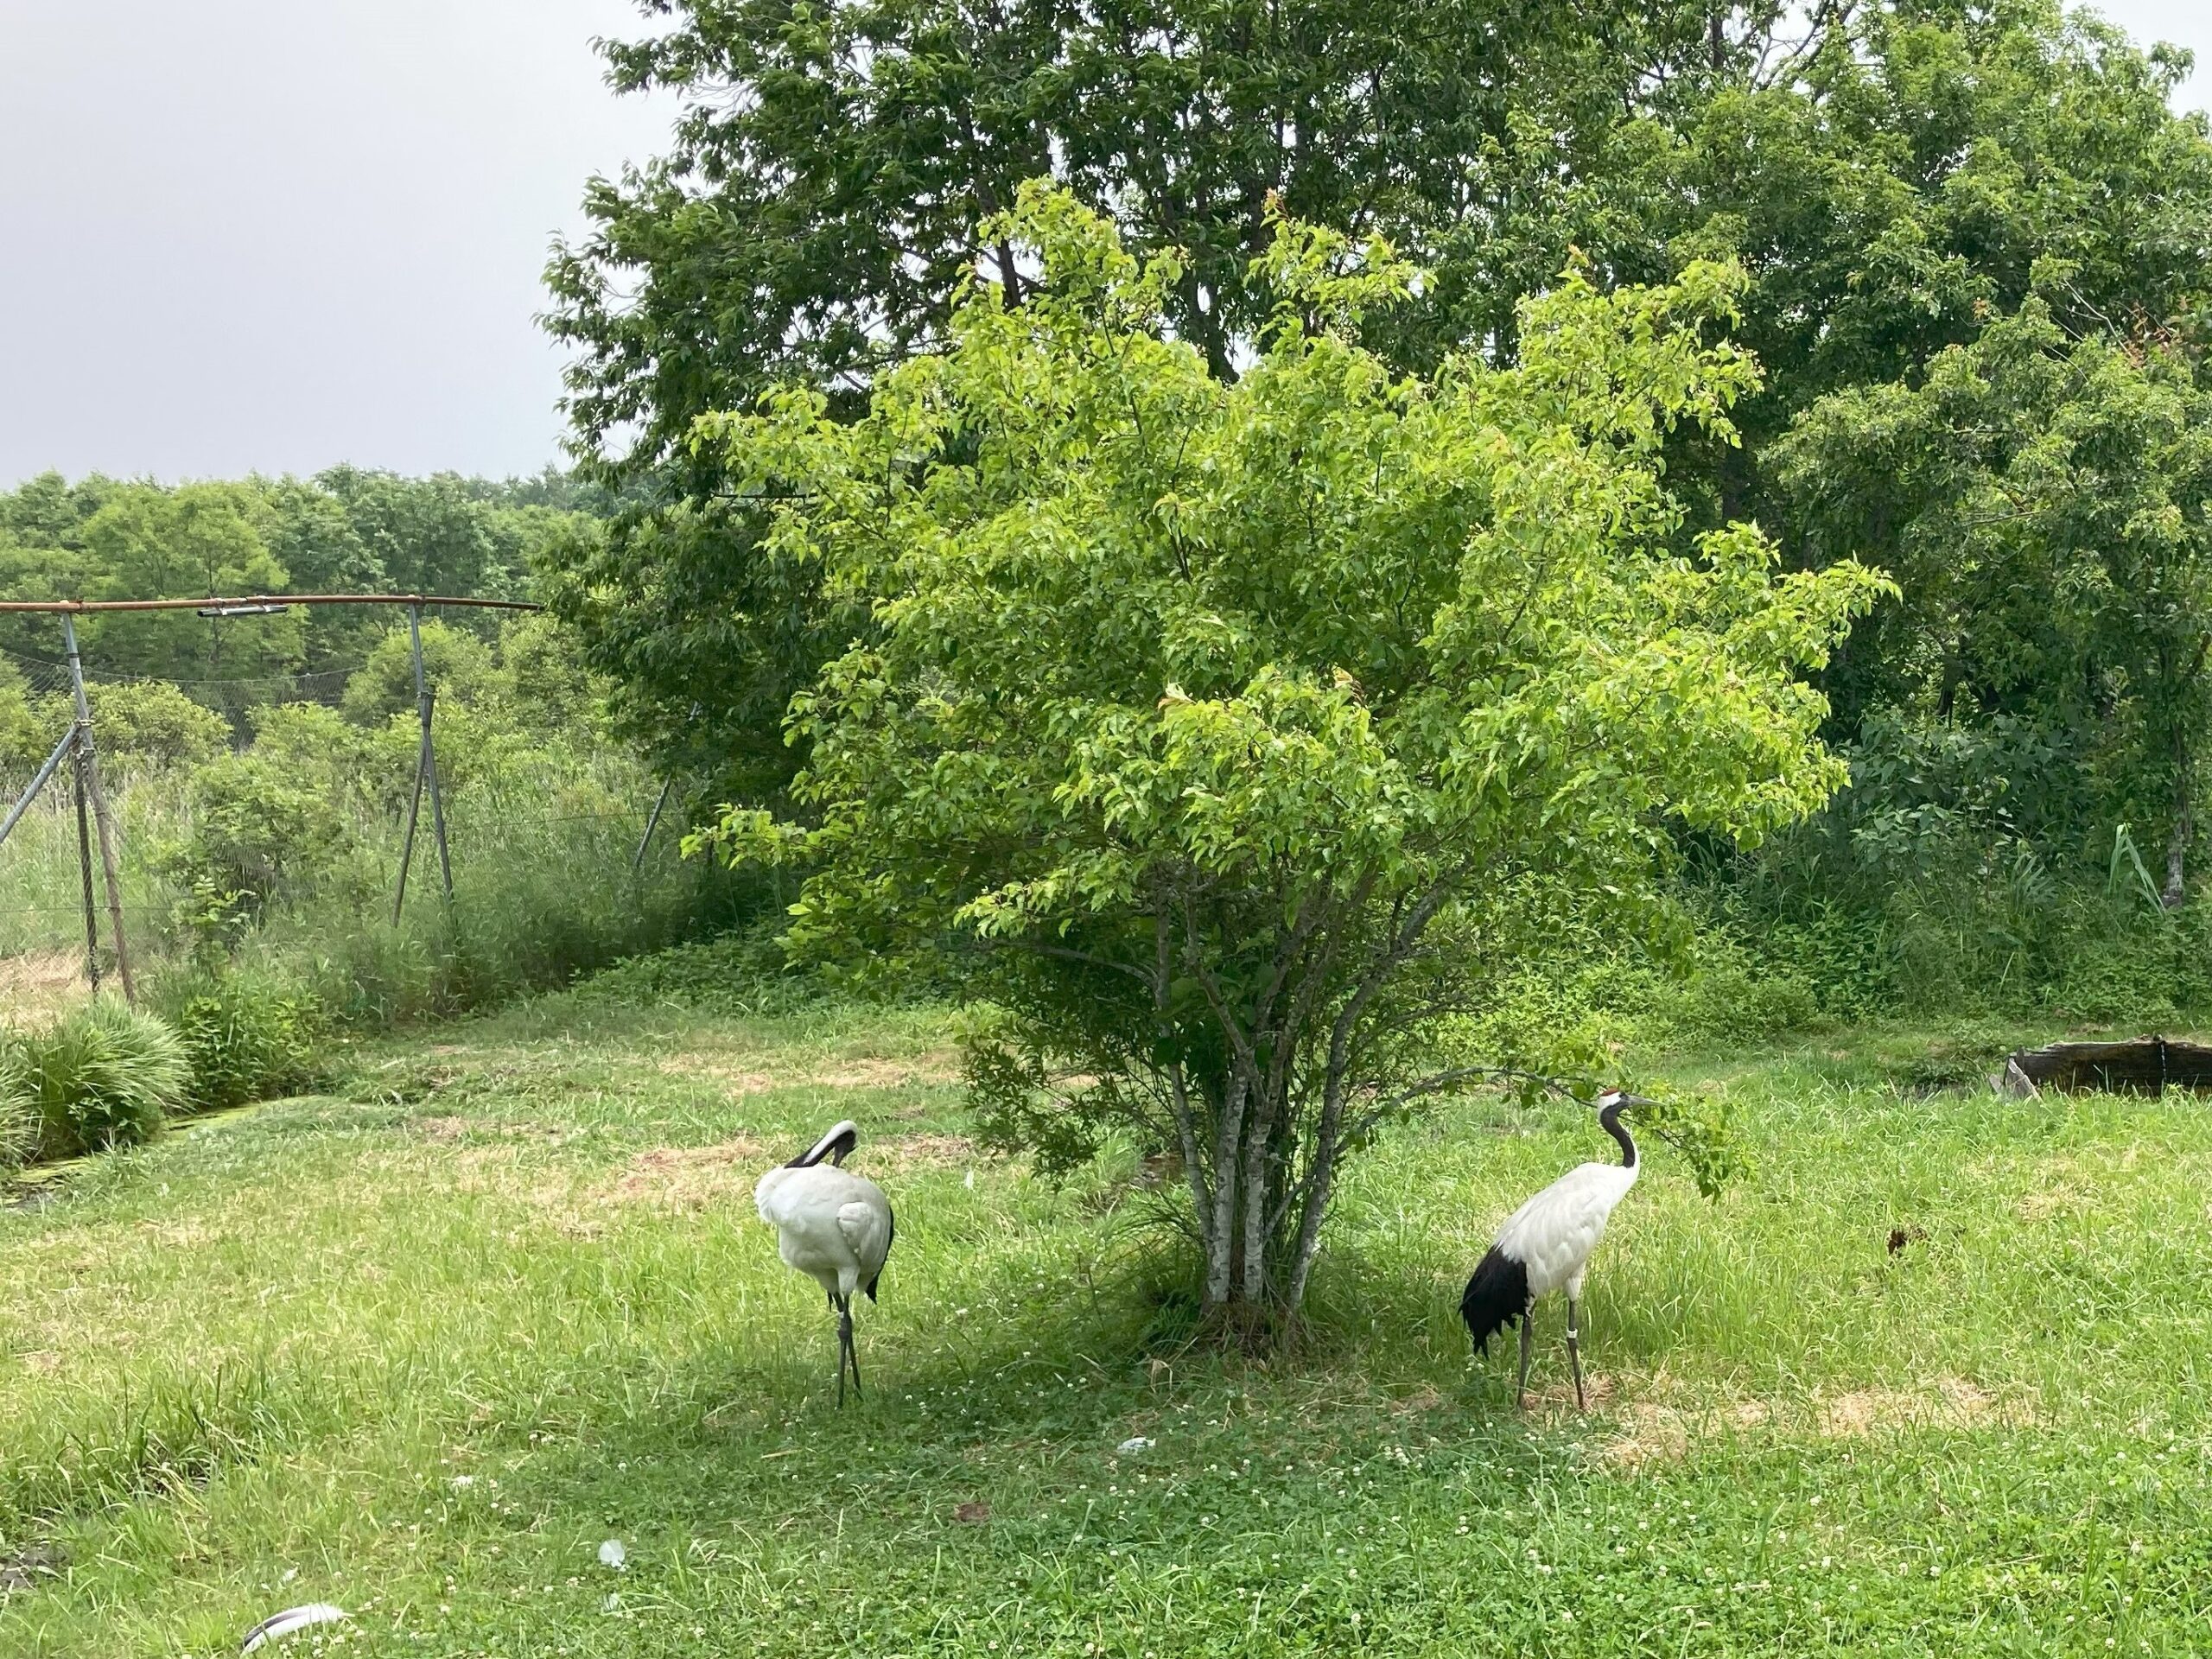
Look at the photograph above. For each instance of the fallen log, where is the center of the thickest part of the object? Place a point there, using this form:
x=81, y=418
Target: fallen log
x=2140, y=1065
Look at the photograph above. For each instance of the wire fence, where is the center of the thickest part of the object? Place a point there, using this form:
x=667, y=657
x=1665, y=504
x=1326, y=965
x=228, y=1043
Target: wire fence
x=557, y=860
x=47, y=679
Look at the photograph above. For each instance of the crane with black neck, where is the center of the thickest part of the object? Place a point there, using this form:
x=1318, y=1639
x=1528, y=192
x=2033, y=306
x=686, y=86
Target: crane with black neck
x=1546, y=1245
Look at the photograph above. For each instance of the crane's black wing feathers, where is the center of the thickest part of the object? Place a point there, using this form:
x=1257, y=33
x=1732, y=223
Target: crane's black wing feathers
x=891, y=1217
x=1497, y=1296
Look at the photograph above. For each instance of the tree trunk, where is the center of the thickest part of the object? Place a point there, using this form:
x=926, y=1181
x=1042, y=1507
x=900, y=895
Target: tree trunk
x=1219, y=1228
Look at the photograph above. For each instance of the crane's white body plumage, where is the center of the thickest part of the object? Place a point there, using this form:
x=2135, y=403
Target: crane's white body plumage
x=832, y=1225
x=1553, y=1233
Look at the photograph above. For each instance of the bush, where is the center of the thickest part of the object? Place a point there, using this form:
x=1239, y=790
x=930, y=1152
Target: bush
x=152, y=721
x=247, y=1037
x=739, y=973
x=255, y=836
x=460, y=668
x=101, y=1076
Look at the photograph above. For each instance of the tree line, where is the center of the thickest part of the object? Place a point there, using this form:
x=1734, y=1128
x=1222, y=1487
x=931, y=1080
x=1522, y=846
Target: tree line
x=347, y=529
x=1974, y=232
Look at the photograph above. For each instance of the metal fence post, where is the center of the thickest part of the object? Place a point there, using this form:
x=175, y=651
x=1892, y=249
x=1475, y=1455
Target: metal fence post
x=422, y=708
x=88, y=762
x=426, y=772
x=85, y=873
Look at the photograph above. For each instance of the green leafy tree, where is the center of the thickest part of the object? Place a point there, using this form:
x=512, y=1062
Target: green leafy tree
x=2046, y=502
x=1916, y=168
x=424, y=536
x=1227, y=738
x=198, y=541
x=313, y=537
x=828, y=186
x=457, y=666
x=1890, y=174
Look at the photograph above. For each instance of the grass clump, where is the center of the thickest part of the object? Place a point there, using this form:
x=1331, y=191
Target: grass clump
x=18, y=1111
x=101, y=1076
x=738, y=973
x=247, y=1036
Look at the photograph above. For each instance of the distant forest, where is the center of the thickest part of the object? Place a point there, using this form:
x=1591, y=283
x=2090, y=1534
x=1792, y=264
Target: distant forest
x=344, y=530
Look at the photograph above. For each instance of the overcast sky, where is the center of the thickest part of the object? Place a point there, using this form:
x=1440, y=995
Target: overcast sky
x=271, y=235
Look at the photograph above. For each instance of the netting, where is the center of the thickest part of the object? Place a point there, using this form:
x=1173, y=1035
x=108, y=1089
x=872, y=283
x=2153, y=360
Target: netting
x=231, y=698
x=544, y=828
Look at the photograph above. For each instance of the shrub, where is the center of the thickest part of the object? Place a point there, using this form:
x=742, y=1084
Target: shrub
x=741, y=973
x=25, y=739
x=151, y=720
x=256, y=835
x=247, y=1037
x=460, y=668
x=101, y=1076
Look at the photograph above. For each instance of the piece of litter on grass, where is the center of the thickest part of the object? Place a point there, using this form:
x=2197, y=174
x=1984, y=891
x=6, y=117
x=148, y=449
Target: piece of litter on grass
x=290, y=1573
x=970, y=1182
x=611, y=1554
x=1135, y=1443
x=461, y=1483
x=277, y=1626
x=611, y=1604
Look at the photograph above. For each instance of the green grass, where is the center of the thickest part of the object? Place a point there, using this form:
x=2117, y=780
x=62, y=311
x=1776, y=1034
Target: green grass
x=419, y=1347
x=547, y=887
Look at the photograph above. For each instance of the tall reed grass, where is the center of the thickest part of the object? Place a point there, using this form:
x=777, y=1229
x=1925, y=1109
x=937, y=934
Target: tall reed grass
x=546, y=887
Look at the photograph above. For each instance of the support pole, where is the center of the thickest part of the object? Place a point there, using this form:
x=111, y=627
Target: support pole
x=429, y=750
x=638, y=859
x=88, y=757
x=38, y=782
x=426, y=772
x=85, y=872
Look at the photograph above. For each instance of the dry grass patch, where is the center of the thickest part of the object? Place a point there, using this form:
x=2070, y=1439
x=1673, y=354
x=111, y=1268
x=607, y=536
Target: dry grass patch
x=1951, y=1403
x=689, y=1178
x=917, y=1151
x=1662, y=1429
x=1661, y=1426
x=936, y=1067
x=756, y=1075
x=38, y=987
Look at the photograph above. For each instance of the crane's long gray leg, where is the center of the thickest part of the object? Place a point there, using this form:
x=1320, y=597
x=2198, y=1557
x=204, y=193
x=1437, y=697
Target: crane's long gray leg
x=1574, y=1353
x=846, y=1354
x=1527, y=1324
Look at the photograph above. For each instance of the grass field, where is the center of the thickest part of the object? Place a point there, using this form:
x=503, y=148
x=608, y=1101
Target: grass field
x=420, y=1346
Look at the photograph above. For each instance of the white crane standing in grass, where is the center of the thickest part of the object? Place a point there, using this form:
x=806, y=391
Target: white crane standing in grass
x=832, y=1225
x=1546, y=1245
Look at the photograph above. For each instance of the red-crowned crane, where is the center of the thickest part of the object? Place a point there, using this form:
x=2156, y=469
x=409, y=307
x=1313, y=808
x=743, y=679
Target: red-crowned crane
x=832, y=1225
x=1545, y=1245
